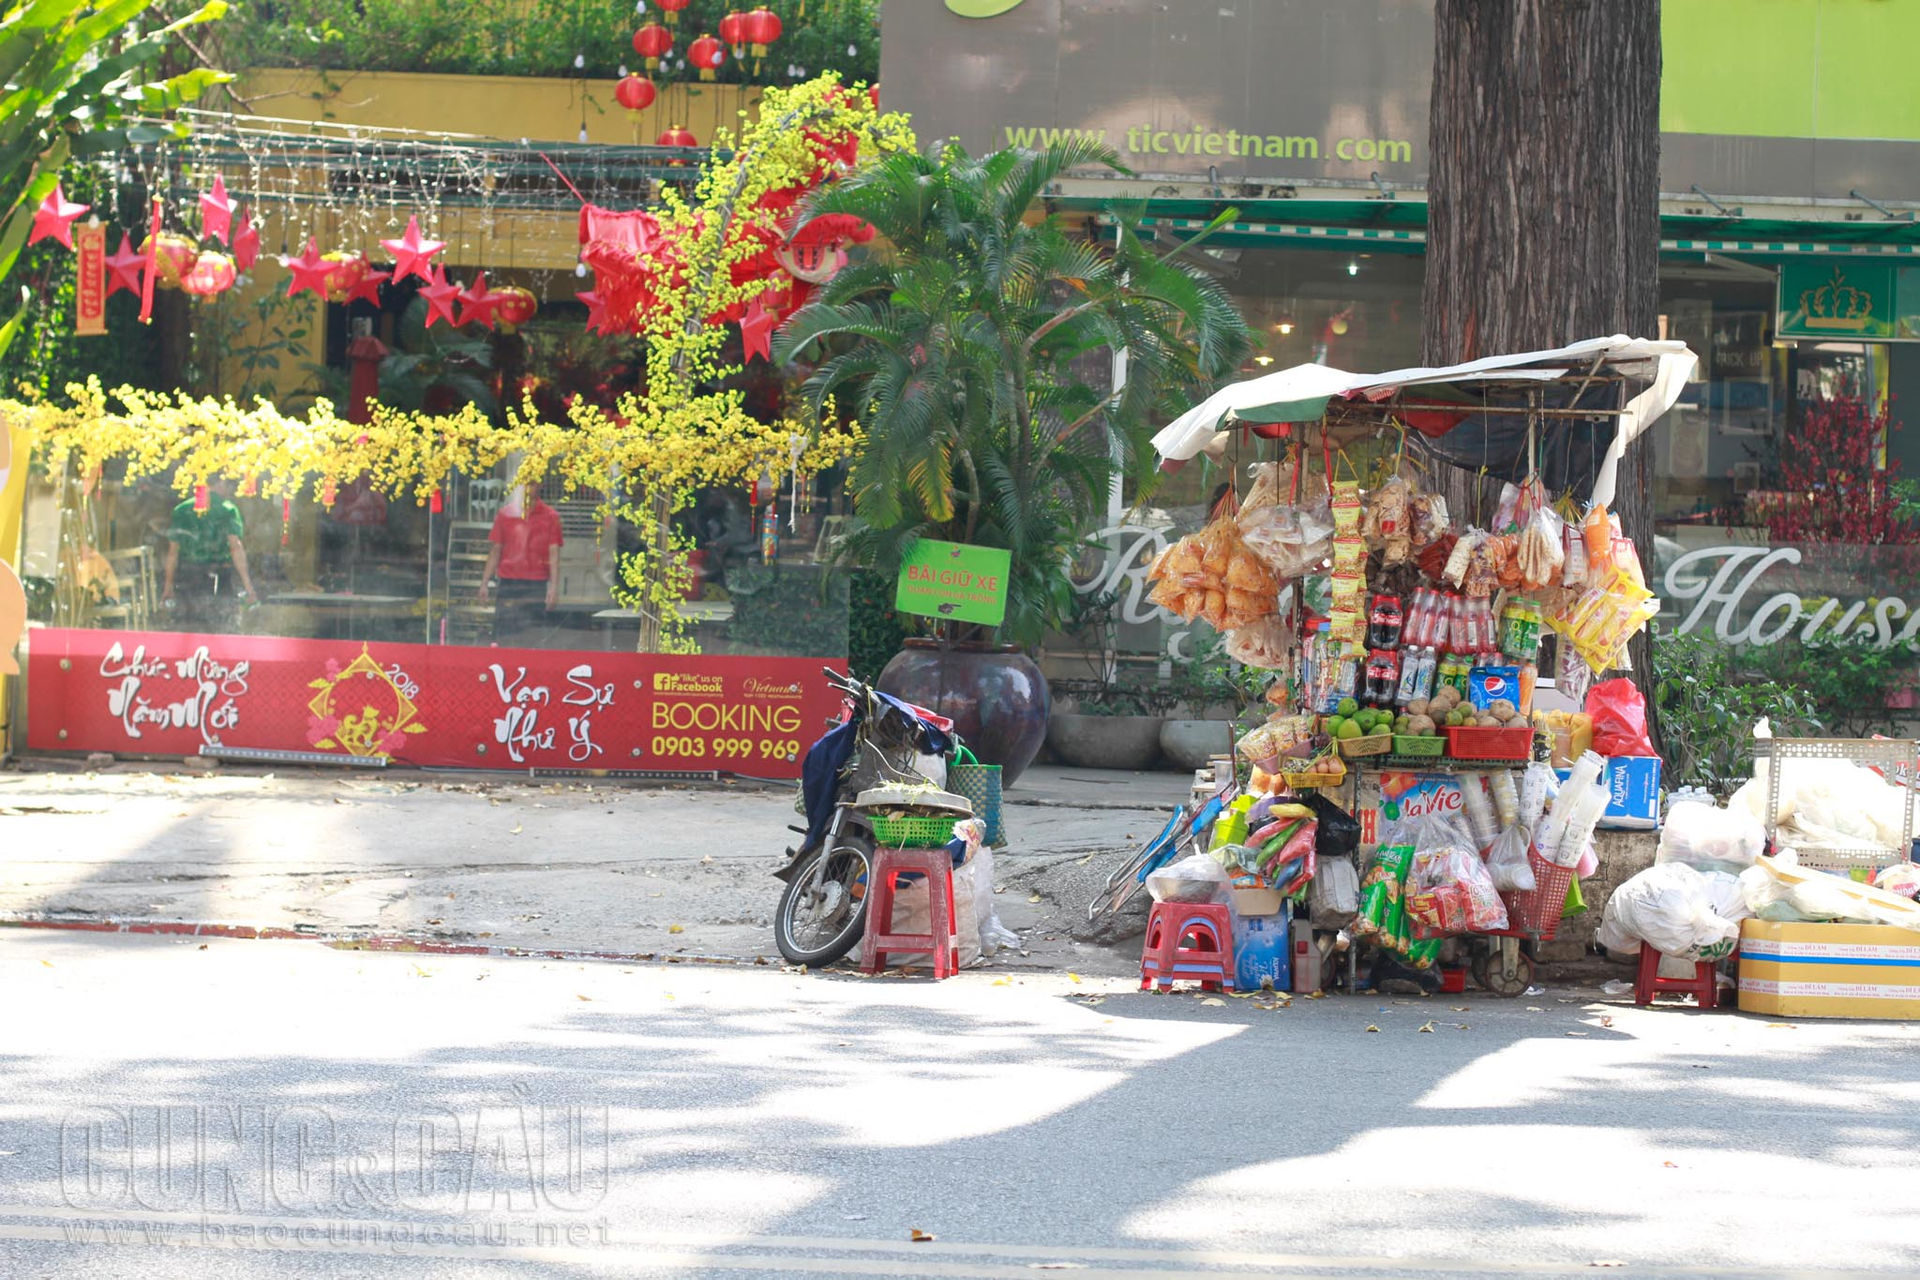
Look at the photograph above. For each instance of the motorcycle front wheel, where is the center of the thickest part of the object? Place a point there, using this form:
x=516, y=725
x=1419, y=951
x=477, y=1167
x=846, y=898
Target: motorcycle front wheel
x=823, y=911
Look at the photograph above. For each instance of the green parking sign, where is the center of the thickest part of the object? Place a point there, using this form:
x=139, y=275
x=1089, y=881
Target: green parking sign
x=954, y=581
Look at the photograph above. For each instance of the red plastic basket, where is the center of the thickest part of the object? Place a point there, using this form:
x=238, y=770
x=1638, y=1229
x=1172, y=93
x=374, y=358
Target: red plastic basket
x=1536, y=914
x=1471, y=742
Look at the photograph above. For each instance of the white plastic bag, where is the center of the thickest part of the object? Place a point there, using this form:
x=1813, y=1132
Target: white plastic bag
x=1334, y=894
x=1507, y=861
x=1195, y=878
x=1709, y=838
x=978, y=870
x=1677, y=911
x=1780, y=889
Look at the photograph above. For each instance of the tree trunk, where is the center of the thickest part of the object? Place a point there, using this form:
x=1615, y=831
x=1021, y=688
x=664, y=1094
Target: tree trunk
x=1543, y=213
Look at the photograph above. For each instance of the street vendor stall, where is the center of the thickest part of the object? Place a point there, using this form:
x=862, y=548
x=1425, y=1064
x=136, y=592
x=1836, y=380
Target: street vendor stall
x=1410, y=793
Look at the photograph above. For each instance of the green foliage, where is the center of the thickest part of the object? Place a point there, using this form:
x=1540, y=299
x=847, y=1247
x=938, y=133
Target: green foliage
x=1707, y=707
x=537, y=37
x=1846, y=679
x=47, y=354
x=74, y=71
x=239, y=343
x=963, y=353
x=874, y=631
x=789, y=609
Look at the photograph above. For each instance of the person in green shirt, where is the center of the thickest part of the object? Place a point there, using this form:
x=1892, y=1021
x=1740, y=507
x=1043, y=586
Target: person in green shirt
x=208, y=542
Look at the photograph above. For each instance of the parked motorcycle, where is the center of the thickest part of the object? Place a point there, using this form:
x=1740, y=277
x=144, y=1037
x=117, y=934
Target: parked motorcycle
x=881, y=741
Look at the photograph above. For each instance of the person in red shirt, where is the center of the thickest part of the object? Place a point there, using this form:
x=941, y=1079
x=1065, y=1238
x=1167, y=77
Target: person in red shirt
x=523, y=564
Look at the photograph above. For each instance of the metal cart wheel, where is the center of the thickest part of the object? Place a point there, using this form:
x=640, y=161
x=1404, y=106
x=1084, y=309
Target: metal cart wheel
x=1508, y=971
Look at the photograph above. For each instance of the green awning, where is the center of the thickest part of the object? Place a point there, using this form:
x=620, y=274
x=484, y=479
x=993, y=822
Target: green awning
x=1400, y=225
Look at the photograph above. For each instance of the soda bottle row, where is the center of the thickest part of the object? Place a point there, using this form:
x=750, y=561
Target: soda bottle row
x=1445, y=619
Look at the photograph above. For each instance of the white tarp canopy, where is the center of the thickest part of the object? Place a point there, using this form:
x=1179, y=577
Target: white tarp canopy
x=1301, y=394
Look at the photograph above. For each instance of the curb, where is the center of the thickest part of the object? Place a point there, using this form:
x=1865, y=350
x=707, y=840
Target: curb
x=367, y=942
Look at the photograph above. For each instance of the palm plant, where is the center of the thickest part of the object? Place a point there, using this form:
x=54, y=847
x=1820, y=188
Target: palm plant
x=962, y=351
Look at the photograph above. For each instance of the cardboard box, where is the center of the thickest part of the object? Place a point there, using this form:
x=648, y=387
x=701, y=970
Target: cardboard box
x=1635, y=784
x=1260, y=954
x=1829, y=970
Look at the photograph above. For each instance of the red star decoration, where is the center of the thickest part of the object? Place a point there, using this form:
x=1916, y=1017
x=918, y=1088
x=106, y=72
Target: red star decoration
x=216, y=211
x=756, y=330
x=596, y=311
x=440, y=293
x=309, y=271
x=411, y=254
x=246, y=243
x=53, y=220
x=477, y=303
x=123, y=268
x=367, y=287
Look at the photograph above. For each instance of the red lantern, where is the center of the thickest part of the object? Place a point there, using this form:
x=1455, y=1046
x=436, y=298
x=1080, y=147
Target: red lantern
x=212, y=273
x=174, y=256
x=733, y=30
x=344, y=271
x=707, y=54
x=635, y=93
x=673, y=8
x=653, y=42
x=677, y=136
x=762, y=29
x=515, y=307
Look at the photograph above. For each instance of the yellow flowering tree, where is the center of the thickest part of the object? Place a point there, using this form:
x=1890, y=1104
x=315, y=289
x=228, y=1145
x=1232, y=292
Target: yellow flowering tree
x=686, y=430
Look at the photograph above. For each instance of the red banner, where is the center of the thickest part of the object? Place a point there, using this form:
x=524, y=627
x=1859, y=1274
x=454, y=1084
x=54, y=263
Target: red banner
x=164, y=693
x=90, y=287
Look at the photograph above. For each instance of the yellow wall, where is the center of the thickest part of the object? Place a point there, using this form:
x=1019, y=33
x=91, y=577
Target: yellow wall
x=509, y=107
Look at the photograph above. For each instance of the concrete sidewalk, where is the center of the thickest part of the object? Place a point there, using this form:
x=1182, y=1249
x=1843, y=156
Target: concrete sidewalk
x=680, y=869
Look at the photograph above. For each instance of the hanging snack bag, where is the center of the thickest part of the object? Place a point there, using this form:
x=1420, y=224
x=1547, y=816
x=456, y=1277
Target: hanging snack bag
x=1387, y=525
x=1458, y=559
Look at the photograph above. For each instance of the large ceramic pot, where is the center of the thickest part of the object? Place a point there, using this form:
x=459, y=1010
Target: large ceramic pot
x=995, y=696
x=1189, y=744
x=1105, y=742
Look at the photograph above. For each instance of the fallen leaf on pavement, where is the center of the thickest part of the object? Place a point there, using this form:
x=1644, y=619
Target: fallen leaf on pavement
x=1463, y=1026
x=47, y=963
x=1033, y=897
x=1577, y=1033
x=1606, y=1022
x=1460, y=1008
x=1427, y=1028
x=422, y=972
x=918, y=1236
x=588, y=999
x=1084, y=861
x=1669, y=1164
x=1316, y=995
x=516, y=830
x=203, y=946
x=676, y=928
x=1371, y=1027
x=1074, y=977
x=1056, y=1266
x=1606, y=1262
x=1534, y=1008
x=1215, y=1000
x=1003, y=982
x=706, y=859
x=854, y=1217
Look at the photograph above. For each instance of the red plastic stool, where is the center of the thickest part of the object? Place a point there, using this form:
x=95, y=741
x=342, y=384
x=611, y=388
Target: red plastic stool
x=1190, y=940
x=1703, y=985
x=888, y=864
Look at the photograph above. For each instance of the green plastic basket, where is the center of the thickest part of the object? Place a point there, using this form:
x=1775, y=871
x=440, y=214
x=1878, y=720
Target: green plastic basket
x=914, y=830
x=1419, y=744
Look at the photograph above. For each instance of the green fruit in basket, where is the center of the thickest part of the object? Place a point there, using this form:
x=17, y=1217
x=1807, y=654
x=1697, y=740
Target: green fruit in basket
x=1349, y=729
x=1348, y=707
x=1332, y=725
x=1402, y=724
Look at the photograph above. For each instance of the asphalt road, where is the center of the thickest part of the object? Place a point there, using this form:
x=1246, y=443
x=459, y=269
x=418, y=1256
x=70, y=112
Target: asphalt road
x=246, y=1108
